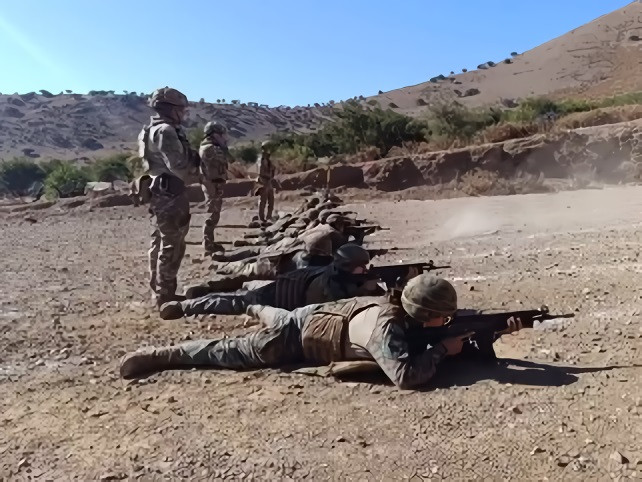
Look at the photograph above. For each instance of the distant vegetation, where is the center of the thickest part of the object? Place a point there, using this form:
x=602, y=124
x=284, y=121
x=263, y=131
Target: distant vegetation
x=23, y=177
x=361, y=131
x=360, y=127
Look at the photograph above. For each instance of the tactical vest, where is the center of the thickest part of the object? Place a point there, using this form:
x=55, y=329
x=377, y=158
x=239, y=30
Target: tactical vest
x=325, y=330
x=291, y=287
x=214, y=161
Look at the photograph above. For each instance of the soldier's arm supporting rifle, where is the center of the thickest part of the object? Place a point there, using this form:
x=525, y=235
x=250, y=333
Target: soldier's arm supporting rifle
x=393, y=273
x=486, y=327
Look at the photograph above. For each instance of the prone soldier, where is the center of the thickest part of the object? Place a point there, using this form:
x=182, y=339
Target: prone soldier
x=343, y=278
x=366, y=328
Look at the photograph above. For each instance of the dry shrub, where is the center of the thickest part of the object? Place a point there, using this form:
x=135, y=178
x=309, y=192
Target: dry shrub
x=236, y=170
x=598, y=117
x=507, y=131
x=480, y=182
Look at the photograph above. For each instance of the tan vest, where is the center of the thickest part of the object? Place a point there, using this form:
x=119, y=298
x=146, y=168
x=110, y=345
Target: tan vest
x=325, y=331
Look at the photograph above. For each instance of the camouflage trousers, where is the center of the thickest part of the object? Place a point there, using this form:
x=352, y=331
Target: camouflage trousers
x=277, y=343
x=213, y=192
x=251, y=269
x=229, y=303
x=239, y=254
x=170, y=222
x=266, y=196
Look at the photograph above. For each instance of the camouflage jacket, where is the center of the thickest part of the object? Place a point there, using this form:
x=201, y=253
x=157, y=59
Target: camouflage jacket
x=165, y=150
x=310, y=235
x=266, y=171
x=214, y=161
x=388, y=343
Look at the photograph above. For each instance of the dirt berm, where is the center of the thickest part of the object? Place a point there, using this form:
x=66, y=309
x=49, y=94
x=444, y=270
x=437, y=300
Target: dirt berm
x=608, y=153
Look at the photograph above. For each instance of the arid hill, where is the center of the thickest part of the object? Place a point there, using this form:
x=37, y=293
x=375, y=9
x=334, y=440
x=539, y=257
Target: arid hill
x=74, y=126
x=599, y=59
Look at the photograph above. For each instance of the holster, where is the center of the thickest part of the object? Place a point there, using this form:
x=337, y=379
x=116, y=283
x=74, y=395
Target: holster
x=166, y=184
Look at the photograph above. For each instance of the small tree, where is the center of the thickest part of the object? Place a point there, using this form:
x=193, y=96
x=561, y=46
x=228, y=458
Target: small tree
x=113, y=168
x=19, y=175
x=247, y=153
x=195, y=137
x=66, y=180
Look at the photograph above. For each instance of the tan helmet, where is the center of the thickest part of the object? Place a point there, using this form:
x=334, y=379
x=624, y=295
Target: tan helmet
x=167, y=95
x=427, y=296
x=335, y=218
x=319, y=245
x=323, y=215
x=214, y=127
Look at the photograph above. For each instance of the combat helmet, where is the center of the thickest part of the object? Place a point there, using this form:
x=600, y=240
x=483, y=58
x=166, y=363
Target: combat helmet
x=351, y=256
x=427, y=296
x=167, y=95
x=214, y=127
x=319, y=246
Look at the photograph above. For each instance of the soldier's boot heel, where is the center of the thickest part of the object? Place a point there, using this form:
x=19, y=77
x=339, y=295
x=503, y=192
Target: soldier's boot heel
x=197, y=291
x=172, y=310
x=148, y=361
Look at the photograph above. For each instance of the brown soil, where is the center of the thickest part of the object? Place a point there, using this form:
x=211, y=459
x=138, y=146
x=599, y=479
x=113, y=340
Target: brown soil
x=75, y=299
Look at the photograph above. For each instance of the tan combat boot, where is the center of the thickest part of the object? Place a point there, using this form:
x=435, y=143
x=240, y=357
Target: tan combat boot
x=149, y=360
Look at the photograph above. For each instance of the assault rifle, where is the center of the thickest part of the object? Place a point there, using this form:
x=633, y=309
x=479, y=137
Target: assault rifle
x=393, y=273
x=484, y=327
x=360, y=232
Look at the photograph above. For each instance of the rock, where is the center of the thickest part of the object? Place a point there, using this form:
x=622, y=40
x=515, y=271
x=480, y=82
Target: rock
x=16, y=102
x=516, y=409
x=537, y=450
x=92, y=144
x=619, y=458
x=13, y=112
x=563, y=460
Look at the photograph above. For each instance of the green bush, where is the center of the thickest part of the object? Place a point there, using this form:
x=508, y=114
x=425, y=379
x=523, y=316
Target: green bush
x=248, y=153
x=66, y=180
x=113, y=168
x=195, y=136
x=355, y=128
x=448, y=122
x=17, y=176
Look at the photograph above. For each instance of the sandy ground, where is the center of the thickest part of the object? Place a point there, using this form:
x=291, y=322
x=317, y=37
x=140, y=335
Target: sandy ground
x=74, y=299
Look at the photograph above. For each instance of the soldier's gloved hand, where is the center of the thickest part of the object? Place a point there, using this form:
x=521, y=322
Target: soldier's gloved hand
x=455, y=344
x=514, y=324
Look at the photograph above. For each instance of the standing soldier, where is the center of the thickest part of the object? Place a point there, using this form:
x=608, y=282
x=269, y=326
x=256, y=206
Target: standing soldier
x=170, y=163
x=214, y=160
x=266, y=182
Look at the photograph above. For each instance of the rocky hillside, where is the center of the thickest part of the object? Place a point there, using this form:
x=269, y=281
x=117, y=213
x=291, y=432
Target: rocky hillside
x=599, y=59
x=73, y=126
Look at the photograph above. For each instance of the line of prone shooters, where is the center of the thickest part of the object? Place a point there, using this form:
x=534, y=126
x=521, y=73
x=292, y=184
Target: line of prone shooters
x=309, y=281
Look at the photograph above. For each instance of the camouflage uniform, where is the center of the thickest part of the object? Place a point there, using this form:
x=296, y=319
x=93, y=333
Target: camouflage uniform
x=305, y=286
x=266, y=184
x=367, y=328
x=171, y=163
x=214, y=162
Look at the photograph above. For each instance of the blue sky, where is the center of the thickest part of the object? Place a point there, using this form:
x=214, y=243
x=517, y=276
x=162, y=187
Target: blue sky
x=267, y=51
